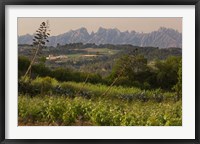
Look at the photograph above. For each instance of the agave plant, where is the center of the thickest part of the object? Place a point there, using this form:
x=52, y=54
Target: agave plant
x=39, y=41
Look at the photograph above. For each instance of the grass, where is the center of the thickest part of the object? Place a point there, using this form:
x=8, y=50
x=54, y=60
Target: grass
x=104, y=51
x=101, y=50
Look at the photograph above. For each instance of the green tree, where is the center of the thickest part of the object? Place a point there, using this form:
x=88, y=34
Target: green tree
x=42, y=60
x=178, y=86
x=167, y=72
x=130, y=68
x=23, y=63
x=40, y=70
x=126, y=67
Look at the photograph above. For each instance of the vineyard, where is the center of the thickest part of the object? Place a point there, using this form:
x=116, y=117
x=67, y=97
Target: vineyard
x=91, y=84
x=45, y=101
x=79, y=111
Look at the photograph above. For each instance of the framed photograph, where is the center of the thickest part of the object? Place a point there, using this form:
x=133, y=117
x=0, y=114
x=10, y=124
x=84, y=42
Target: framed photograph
x=99, y=72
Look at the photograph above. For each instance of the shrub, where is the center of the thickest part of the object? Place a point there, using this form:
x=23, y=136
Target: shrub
x=46, y=84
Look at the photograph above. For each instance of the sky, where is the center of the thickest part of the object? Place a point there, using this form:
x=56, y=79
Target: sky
x=62, y=25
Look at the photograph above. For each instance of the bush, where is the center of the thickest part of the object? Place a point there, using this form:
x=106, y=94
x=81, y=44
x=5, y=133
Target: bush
x=23, y=63
x=40, y=70
x=46, y=85
x=25, y=87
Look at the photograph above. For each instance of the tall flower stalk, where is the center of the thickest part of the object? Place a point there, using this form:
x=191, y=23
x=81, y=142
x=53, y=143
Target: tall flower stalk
x=39, y=41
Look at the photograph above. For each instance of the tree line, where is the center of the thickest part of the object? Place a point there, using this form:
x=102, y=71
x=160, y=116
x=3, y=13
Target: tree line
x=131, y=71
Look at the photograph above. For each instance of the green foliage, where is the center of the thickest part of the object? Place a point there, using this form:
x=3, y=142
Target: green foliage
x=167, y=72
x=42, y=59
x=65, y=111
x=45, y=85
x=178, y=86
x=23, y=63
x=40, y=70
x=130, y=65
x=25, y=87
x=126, y=70
x=37, y=86
x=51, y=86
x=62, y=74
x=134, y=72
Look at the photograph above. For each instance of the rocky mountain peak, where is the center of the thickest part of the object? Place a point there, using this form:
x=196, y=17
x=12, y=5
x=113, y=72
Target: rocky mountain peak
x=162, y=38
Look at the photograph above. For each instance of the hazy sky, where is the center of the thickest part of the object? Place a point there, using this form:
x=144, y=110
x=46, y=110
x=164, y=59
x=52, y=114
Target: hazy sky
x=61, y=25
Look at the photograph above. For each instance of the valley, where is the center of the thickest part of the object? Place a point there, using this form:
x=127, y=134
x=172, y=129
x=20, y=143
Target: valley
x=104, y=78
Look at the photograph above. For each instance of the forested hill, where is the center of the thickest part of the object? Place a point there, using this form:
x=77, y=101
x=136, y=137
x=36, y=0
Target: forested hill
x=150, y=53
x=104, y=56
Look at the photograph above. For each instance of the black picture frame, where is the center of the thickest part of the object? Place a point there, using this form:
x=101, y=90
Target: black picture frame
x=3, y=4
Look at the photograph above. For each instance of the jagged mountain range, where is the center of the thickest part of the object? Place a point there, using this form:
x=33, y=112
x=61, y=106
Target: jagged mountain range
x=162, y=38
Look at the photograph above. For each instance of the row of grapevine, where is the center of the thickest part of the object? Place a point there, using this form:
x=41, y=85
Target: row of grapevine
x=103, y=112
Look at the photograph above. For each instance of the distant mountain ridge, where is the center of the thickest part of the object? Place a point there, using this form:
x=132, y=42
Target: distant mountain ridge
x=162, y=38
